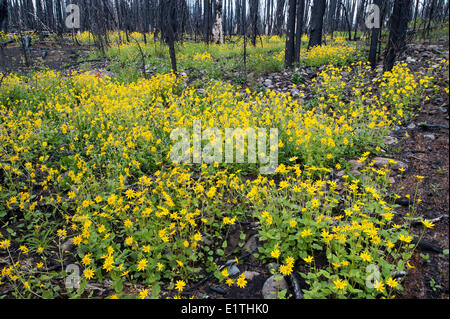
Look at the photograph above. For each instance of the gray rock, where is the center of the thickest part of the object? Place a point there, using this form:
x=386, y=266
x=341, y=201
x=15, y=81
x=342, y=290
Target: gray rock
x=233, y=270
x=356, y=165
x=411, y=126
x=382, y=161
x=251, y=245
x=354, y=172
x=340, y=173
x=272, y=287
x=399, y=165
x=389, y=140
x=429, y=137
x=438, y=100
x=249, y=275
x=410, y=60
x=67, y=245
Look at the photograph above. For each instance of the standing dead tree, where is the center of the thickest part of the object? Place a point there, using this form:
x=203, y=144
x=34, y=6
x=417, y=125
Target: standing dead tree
x=318, y=11
x=168, y=14
x=398, y=25
x=374, y=39
x=217, y=30
x=254, y=8
x=4, y=16
x=290, y=34
x=299, y=29
x=206, y=20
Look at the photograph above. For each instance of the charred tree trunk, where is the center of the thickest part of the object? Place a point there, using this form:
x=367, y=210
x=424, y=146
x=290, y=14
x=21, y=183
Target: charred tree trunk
x=290, y=33
x=254, y=17
x=280, y=16
x=206, y=22
x=169, y=29
x=359, y=17
x=430, y=17
x=4, y=16
x=318, y=11
x=299, y=29
x=347, y=20
x=218, y=27
x=374, y=41
x=416, y=11
x=397, y=31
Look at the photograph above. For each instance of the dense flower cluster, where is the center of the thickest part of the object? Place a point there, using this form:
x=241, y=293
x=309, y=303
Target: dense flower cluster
x=91, y=155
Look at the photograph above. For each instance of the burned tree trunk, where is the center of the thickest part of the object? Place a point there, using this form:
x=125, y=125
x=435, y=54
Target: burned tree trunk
x=254, y=16
x=280, y=16
x=347, y=20
x=397, y=31
x=318, y=11
x=206, y=22
x=290, y=33
x=416, y=11
x=4, y=16
x=217, y=28
x=430, y=16
x=168, y=14
x=374, y=40
x=359, y=17
x=299, y=29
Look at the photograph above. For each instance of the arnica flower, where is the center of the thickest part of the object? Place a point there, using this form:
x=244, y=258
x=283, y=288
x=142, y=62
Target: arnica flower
x=275, y=253
x=365, y=256
x=286, y=269
x=379, y=286
x=88, y=273
x=241, y=282
x=392, y=282
x=143, y=293
x=225, y=272
x=180, y=285
x=142, y=264
x=308, y=259
x=403, y=238
x=427, y=223
x=339, y=284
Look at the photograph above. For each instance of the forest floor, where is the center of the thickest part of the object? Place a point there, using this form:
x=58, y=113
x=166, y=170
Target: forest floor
x=422, y=144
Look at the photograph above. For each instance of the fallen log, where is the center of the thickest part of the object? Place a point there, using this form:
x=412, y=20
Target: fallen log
x=296, y=287
x=427, y=246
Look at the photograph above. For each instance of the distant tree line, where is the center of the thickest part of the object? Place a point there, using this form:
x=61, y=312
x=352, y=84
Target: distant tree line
x=214, y=20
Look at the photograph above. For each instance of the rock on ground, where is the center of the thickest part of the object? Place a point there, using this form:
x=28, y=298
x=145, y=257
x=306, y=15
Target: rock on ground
x=272, y=287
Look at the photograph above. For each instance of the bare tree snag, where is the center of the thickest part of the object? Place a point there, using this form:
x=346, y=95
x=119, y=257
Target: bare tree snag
x=290, y=33
x=374, y=41
x=318, y=11
x=217, y=30
x=397, y=31
x=299, y=29
x=4, y=16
